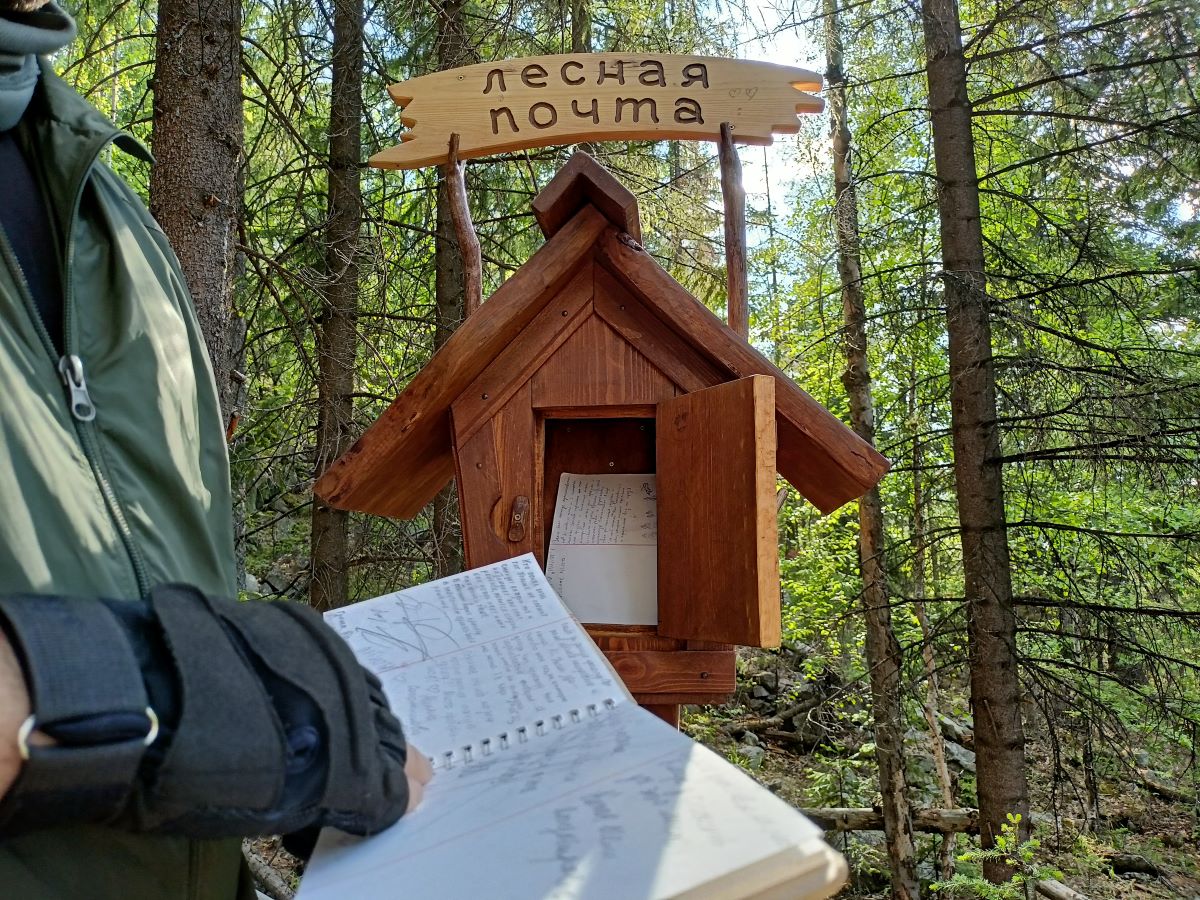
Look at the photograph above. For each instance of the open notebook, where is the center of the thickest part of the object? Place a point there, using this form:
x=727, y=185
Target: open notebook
x=550, y=782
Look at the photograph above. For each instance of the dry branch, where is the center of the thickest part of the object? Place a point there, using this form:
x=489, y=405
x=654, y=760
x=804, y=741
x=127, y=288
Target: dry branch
x=267, y=879
x=927, y=821
x=777, y=721
x=464, y=230
x=1056, y=890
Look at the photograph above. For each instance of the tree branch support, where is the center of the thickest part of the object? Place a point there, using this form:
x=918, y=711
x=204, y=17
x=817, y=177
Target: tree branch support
x=734, y=195
x=464, y=230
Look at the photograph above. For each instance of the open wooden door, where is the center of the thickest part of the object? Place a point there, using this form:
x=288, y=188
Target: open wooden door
x=718, y=540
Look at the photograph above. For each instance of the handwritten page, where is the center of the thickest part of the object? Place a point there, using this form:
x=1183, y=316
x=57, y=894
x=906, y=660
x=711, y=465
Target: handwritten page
x=620, y=805
x=473, y=657
x=603, y=555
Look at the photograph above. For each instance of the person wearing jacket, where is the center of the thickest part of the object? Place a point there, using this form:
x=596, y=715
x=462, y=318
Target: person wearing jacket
x=147, y=720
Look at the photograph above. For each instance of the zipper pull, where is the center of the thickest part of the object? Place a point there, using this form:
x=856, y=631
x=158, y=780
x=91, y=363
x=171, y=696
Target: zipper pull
x=71, y=370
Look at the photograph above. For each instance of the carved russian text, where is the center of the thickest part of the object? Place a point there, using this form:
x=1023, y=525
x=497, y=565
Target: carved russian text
x=496, y=119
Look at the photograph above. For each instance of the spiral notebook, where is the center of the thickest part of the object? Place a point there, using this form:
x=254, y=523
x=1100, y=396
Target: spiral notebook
x=550, y=782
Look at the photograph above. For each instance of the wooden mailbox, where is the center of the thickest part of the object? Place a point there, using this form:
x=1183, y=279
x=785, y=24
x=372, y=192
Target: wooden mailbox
x=592, y=359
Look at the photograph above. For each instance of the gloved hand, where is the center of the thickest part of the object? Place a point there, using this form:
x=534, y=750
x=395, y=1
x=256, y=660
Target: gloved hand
x=265, y=723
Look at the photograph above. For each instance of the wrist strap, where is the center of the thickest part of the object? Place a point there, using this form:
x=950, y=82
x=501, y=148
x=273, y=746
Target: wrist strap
x=87, y=694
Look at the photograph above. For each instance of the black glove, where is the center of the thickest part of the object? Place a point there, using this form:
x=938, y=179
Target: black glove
x=264, y=722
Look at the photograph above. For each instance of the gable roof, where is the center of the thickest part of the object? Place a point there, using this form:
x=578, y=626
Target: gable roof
x=406, y=456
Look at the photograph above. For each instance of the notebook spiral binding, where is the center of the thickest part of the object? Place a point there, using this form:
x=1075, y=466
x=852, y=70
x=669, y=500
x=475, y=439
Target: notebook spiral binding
x=520, y=735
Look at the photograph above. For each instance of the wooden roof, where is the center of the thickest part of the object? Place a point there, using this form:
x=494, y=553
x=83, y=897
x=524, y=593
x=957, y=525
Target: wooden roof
x=590, y=220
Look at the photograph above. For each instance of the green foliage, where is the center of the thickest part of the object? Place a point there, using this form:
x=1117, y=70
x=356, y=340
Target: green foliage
x=1019, y=855
x=842, y=781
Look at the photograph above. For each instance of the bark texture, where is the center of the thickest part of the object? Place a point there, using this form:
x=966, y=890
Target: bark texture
x=581, y=27
x=883, y=650
x=991, y=624
x=196, y=181
x=464, y=230
x=337, y=327
x=450, y=290
x=581, y=42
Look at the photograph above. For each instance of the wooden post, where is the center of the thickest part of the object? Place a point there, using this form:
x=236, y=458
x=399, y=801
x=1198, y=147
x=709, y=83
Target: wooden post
x=668, y=712
x=734, y=195
x=464, y=230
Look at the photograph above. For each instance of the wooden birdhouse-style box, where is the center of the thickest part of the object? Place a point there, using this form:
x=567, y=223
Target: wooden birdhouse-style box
x=592, y=359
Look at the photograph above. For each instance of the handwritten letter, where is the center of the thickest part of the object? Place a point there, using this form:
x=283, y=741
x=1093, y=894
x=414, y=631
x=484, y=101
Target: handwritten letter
x=603, y=558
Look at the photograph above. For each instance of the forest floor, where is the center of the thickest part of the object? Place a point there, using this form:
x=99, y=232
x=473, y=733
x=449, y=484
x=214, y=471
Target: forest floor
x=1145, y=846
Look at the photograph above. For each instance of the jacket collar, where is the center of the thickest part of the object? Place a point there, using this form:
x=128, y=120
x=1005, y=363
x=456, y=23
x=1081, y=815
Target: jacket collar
x=61, y=104
x=62, y=136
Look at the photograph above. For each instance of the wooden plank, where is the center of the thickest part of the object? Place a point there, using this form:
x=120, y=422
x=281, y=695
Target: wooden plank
x=709, y=645
x=632, y=637
x=592, y=447
x=718, y=555
x=699, y=698
x=519, y=104
x=516, y=364
x=617, y=411
x=495, y=468
x=583, y=180
x=658, y=342
x=825, y=461
x=415, y=428
x=432, y=467
x=645, y=637
x=595, y=366
x=651, y=672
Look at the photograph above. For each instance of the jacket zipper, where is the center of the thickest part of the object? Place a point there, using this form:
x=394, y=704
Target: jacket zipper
x=70, y=368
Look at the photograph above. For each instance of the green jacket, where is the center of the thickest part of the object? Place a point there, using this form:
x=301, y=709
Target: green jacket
x=110, y=507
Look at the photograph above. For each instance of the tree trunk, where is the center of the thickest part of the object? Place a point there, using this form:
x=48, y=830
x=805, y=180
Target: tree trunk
x=581, y=42
x=581, y=27
x=336, y=330
x=883, y=650
x=1073, y=626
x=991, y=624
x=931, y=703
x=450, y=287
x=196, y=181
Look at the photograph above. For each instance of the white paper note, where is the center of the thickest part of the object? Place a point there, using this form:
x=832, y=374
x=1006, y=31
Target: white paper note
x=603, y=556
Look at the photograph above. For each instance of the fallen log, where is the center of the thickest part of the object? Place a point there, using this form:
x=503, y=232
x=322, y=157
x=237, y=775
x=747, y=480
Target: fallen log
x=927, y=821
x=1127, y=863
x=1056, y=890
x=1167, y=791
x=266, y=879
x=761, y=725
x=1155, y=785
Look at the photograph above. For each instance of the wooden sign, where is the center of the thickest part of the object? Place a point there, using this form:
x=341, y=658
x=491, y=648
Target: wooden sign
x=519, y=104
